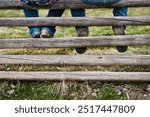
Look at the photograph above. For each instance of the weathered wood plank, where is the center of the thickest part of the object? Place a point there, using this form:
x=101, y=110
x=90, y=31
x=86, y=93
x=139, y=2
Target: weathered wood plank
x=75, y=42
x=62, y=4
x=76, y=59
x=80, y=75
x=80, y=21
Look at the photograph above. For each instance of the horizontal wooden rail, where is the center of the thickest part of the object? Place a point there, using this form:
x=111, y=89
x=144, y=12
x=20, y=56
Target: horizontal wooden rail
x=80, y=75
x=78, y=21
x=75, y=41
x=63, y=4
x=76, y=59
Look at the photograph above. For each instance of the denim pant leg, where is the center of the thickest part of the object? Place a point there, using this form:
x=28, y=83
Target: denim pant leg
x=32, y=13
x=54, y=13
x=120, y=12
x=99, y=2
x=78, y=13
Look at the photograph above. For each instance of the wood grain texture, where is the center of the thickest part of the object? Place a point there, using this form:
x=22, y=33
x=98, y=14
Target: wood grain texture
x=80, y=75
x=76, y=59
x=75, y=41
x=78, y=21
x=73, y=4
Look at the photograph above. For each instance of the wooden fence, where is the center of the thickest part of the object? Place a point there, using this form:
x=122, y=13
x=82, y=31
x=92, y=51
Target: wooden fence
x=75, y=42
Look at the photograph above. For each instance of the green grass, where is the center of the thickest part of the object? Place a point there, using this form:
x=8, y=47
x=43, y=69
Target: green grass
x=74, y=90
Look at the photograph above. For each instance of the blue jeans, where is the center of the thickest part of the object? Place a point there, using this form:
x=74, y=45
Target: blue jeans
x=53, y=13
x=99, y=2
x=75, y=13
x=120, y=12
x=116, y=11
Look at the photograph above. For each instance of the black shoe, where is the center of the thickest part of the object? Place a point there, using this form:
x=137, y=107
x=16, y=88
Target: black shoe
x=122, y=48
x=82, y=32
x=119, y=30
x=81, y=50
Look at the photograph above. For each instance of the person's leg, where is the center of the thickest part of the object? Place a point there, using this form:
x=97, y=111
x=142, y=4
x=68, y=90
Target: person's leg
x=34, y=30
x=82, y=31
x=48, y=31
x=120, y=11
x=120, y=30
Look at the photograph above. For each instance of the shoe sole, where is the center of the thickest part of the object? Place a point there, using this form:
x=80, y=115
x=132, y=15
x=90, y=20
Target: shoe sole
x=81, y=50
x=122, y=49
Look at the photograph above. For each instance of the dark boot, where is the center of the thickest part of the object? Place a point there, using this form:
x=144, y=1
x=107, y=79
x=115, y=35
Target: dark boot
x=119, y=30
x=82, y=32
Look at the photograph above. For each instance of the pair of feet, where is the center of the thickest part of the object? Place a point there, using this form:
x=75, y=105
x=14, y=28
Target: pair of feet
x=118, y=30
x=40, y=33
x=45, y=33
